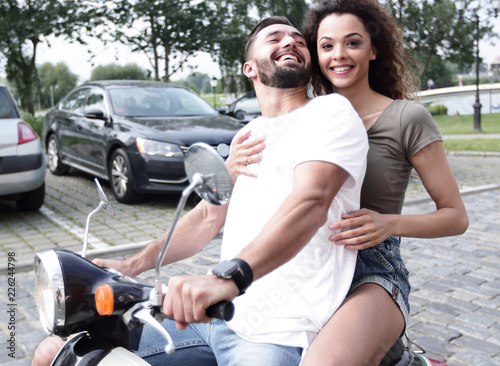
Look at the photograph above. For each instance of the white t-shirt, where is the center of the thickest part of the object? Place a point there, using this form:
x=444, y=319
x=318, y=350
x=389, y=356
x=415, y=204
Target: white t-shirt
x=291, y=304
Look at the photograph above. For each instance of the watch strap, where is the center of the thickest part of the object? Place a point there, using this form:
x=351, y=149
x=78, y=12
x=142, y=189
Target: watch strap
x=244, y=276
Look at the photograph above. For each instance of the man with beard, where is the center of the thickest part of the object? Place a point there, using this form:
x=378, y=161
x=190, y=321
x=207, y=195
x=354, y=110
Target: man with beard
x=275, y=226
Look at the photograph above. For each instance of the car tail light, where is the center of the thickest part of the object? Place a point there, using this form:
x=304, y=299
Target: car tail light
x=25, y=133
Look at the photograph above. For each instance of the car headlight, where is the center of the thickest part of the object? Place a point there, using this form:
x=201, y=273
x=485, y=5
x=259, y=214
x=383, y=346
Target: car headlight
x=151, y=147
x=49, y=291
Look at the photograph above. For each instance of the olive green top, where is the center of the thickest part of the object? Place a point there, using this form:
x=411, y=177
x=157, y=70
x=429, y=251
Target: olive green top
x=402, y=130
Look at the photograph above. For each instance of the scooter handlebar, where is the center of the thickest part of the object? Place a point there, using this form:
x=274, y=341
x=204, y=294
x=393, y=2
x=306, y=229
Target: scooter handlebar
x=222, y=310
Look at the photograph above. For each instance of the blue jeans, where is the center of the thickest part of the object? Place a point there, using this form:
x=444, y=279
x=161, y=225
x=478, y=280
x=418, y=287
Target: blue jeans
x=212, y=344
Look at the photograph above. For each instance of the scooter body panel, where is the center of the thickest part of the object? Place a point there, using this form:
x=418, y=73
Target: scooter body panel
x=82, y=350
x=123, y=357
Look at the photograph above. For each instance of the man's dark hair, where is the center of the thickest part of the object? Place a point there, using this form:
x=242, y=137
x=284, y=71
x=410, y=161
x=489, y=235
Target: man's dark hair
x=261, y=25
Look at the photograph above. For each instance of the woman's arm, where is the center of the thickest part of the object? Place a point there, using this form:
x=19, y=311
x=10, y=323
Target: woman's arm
x=449, y=218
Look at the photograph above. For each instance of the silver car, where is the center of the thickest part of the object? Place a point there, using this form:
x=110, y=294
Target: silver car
x=22, y=160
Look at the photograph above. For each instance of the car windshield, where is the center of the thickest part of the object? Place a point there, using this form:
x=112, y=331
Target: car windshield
x=156, y=102
x=7, y=109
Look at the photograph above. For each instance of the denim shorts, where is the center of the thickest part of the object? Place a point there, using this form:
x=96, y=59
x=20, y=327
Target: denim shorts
x=383, y=265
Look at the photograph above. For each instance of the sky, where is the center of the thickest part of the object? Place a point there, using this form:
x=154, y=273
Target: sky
x=77, y=57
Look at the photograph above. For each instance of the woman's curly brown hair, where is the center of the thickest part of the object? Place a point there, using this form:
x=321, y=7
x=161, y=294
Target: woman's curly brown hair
x=390, y=73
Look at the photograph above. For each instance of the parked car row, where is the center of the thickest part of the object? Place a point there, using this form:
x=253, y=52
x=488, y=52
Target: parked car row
x=133, y=134
x=130, y=133
x=22, y=160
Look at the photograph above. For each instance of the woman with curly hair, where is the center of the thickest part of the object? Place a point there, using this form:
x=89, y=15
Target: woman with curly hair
x=357, y=51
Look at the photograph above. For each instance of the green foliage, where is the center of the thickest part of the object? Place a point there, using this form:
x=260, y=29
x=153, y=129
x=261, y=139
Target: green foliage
x=432, y=27
x=440, y=71
x=294, y=10
x=35, y=122
x=437, y=109
x=25, y=24
x=164, y=30
x=236, y=20
x=55, y=82
x=113, y=71
x=198, y=81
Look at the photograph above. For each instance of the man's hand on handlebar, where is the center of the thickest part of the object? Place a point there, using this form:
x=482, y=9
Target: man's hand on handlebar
x=188, y=297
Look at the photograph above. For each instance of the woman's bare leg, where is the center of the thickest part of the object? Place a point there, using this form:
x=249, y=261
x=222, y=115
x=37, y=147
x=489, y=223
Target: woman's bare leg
x=361, y=332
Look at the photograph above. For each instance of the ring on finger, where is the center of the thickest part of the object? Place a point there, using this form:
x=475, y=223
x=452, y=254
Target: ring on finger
x=246, y=160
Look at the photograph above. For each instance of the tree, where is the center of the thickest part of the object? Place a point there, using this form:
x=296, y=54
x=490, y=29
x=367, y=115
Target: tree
x=432, y=28
x=25, y=24
x=55, y=82
x=113, y=71
x=294, y=10
x=199, y=81
x=165, y=30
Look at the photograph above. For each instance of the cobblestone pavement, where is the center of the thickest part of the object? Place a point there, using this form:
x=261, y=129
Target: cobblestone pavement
x=455, y=297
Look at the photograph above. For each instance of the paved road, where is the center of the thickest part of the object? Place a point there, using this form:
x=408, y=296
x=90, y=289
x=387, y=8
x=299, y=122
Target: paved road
x=455, y=295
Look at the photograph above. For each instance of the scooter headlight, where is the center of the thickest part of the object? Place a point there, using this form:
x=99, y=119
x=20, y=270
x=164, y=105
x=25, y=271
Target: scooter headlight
x=49, y=291
x=65, y=292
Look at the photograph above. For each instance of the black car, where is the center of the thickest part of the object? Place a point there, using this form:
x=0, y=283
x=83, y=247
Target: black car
x=244, y=108
x=132, y=133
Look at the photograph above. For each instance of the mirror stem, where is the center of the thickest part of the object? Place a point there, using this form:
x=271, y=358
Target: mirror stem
x=86, y=236
x=157, y=297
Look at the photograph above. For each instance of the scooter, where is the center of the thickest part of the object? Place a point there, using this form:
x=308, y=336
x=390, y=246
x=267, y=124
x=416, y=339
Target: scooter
x=407, y=353
x=106, y=310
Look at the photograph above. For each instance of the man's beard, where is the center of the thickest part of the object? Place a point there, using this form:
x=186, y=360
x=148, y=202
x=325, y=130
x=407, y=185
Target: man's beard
x=283, y=77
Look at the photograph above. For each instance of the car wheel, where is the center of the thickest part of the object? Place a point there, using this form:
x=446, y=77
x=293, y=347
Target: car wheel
x=33, y=200
x=122, y=180
x=239, y=114
x=54, y=158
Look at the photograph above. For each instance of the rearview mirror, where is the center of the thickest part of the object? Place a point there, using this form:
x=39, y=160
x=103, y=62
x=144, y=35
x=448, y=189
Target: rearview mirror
x=95, y=113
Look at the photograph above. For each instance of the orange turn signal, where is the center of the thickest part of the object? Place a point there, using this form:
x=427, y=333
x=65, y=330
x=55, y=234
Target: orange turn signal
x=104, y=300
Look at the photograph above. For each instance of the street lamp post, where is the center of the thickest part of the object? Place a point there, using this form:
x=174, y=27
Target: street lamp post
x=460, y=4
x=213, y=84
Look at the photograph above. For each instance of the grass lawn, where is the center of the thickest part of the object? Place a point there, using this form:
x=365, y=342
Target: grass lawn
x=490, y=145
x=451, y=125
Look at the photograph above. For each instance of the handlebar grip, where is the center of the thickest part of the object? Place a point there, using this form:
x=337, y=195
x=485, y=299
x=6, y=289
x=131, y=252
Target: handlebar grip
x=222, y=310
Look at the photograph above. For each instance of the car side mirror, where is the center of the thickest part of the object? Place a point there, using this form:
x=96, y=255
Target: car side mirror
x=95, y=113
x=222, y=110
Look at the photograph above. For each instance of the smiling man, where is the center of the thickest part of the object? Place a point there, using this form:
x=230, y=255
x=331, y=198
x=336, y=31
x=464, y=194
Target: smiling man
x=275, y=251
x=275, y=225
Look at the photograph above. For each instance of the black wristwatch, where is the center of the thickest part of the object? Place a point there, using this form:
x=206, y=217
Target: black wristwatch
x=236, y=269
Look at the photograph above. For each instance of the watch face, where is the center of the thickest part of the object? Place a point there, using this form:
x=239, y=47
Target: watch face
x=225, y=269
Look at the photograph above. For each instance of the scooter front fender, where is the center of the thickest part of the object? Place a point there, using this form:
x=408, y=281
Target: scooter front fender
x=82, y=350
